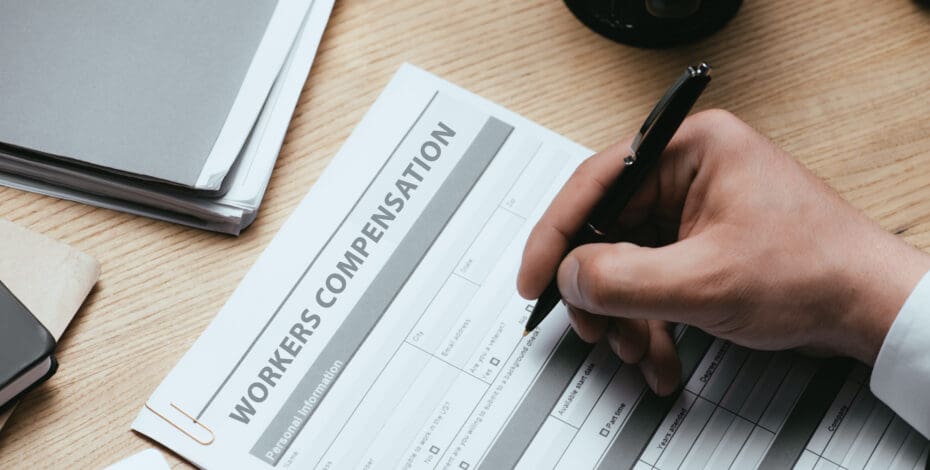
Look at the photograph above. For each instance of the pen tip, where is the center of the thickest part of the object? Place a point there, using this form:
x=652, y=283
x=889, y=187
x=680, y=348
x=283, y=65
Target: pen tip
x=525, y=333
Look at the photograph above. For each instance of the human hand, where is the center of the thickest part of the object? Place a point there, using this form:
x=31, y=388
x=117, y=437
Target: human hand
x=729, y=234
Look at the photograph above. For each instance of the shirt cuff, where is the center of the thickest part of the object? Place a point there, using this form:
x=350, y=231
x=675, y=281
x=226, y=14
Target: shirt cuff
x=901, y=376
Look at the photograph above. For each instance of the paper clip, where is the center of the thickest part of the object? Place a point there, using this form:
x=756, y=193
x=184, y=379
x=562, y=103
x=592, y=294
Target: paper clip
x=179, y=428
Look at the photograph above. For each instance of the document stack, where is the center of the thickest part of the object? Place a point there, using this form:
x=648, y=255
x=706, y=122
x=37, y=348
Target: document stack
x=174, y=110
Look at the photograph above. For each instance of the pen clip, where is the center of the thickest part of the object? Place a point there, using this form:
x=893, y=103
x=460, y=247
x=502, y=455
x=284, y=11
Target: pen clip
x=693, y=76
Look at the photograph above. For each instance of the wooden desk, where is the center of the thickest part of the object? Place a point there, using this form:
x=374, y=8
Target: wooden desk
x=844, y=86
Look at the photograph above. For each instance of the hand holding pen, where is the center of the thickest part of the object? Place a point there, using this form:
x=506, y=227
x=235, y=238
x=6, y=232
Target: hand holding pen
x=727, y=233
x=647, y=147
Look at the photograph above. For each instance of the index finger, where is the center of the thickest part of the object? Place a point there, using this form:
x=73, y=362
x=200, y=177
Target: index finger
x=550, y=238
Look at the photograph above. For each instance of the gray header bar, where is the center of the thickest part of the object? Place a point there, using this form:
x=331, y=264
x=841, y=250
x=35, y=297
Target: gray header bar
x=538, y=402
x=651, y=410
x=810, y=409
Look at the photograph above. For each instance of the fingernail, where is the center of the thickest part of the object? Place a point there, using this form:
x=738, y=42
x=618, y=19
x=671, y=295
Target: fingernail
x=649, y=373
x=573, y=319
x=570, y=289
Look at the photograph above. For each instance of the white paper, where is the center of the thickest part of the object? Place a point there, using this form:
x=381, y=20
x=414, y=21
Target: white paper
x=371, y=337
x=149, y=459
x=495, y=212
x=281, y=33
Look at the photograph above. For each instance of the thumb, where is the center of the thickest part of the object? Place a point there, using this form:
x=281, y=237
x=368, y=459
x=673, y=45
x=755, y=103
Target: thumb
x=671, y=283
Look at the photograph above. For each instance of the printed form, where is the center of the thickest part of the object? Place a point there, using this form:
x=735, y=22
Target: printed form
x=382, y=329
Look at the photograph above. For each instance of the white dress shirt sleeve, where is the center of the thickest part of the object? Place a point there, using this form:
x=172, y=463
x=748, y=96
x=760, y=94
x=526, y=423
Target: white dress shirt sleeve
x=901, y=376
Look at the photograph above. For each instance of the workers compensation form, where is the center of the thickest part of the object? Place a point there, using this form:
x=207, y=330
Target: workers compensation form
x=382, y=329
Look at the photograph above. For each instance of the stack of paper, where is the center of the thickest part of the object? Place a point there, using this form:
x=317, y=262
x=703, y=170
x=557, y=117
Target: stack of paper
x=174, y=110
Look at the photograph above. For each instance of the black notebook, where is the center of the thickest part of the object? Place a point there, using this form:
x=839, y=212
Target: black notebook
x=26, y=349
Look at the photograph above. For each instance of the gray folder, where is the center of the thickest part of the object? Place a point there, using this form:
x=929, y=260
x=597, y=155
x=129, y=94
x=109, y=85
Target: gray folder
x=134, y=87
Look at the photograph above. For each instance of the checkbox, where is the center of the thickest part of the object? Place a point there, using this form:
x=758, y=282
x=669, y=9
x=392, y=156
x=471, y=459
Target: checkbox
x=434, y=450
x=605, y=432
x=463, y=465
x=495, y=361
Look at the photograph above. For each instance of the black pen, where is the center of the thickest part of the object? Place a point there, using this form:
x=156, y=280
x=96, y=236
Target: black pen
x=653, y=137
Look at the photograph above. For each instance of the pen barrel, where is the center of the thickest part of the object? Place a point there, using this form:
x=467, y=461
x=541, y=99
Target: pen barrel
x=589, y=233
x=657, y=134
x=551, y=296
x=606, y=213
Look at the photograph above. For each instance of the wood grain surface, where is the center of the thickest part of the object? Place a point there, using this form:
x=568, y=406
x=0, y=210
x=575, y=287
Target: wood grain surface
x=844, y=86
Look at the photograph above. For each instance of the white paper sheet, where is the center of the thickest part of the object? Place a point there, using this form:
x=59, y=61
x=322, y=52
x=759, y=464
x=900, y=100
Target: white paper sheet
x=477, y=211
x=381, y=327
x=149, y=459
